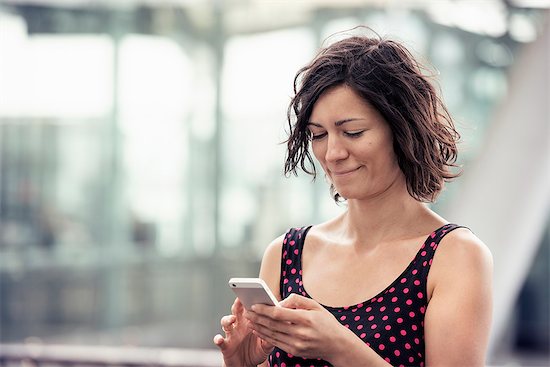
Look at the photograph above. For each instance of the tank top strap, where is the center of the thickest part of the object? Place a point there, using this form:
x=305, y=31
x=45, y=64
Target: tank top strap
x=291, y=261
x=424, y=258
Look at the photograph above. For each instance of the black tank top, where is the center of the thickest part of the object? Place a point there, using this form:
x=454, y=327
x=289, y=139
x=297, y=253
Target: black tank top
x=391, y=323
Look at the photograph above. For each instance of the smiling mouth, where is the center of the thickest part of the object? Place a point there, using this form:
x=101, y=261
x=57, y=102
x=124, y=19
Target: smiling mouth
x=344, y=173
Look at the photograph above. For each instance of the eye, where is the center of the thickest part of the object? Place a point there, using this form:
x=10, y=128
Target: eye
x=354, y=134
x=316, y=136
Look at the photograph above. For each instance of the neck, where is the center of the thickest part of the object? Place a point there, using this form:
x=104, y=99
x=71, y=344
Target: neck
x=392, y=215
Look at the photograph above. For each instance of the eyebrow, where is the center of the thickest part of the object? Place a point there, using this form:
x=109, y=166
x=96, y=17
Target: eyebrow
x=336, y=123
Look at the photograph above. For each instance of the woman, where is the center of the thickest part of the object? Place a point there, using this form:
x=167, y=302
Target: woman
x=388, y=282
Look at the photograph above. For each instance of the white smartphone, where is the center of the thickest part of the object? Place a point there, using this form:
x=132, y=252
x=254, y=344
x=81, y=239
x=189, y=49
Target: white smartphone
x=252, y=291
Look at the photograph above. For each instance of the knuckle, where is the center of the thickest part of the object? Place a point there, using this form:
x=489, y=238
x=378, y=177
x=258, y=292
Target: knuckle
x=269, y=324
x=305, y=337
x=298, y=349
x=271, y=333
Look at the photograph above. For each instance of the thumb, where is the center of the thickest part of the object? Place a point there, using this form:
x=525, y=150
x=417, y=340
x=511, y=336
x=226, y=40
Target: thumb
x=301, y=302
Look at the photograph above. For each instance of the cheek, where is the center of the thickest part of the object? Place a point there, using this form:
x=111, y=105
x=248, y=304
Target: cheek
x=390, y=159
x=379, y=157
x=318, y=151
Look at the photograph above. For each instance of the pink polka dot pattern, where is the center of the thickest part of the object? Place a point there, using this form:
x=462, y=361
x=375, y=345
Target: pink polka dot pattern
x=391, y=322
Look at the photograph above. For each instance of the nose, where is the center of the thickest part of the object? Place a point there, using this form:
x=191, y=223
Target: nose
x=336, y=150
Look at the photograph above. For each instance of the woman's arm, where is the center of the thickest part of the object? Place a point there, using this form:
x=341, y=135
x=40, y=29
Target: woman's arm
x=270, y=269
x=458, y=317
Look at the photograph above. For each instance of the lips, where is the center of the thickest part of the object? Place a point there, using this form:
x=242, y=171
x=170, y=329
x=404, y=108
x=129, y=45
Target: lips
x=344, y=172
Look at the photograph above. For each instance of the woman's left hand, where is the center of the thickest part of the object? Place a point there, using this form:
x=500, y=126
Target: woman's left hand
x=301, y=327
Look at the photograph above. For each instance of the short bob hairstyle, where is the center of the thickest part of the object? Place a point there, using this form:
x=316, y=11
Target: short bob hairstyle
x=387, y=76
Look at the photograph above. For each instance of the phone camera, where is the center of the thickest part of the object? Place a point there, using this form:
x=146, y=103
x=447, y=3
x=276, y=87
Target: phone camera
x=233, y=285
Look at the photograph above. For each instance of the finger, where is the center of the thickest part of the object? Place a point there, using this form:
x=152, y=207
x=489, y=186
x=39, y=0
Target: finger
x=270, y=339
x=274, y=340
x=237, y=307
x=286, y=343
x=277, y=313
x=297, y=301
x=266, y=346
x=228, y=323
x=228, y=320
x=267, y=326
x=219, y=341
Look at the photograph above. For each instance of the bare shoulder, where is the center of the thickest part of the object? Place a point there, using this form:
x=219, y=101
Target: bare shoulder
x=461, y=252
x=274, y=250
x=462, y=246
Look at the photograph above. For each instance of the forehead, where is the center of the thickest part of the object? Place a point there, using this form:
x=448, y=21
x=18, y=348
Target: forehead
x=342, y=102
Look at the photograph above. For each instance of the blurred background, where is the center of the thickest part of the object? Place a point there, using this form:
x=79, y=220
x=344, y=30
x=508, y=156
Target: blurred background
x=141, y=164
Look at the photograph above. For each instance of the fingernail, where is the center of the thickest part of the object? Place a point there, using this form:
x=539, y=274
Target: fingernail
x=253, y=308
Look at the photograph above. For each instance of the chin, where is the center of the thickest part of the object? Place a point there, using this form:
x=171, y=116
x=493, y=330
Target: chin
x=348, y=194
x=351, y=194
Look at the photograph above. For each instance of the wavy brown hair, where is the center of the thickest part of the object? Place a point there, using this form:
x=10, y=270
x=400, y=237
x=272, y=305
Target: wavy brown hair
x=388, y=77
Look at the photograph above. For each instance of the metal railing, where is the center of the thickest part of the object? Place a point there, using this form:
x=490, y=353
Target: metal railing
x=76, y=355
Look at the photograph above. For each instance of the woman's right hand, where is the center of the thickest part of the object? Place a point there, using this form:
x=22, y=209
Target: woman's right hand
x=240, y=347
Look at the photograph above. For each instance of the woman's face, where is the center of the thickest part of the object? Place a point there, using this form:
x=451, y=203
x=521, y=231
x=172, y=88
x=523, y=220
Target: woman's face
x=353, y=143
